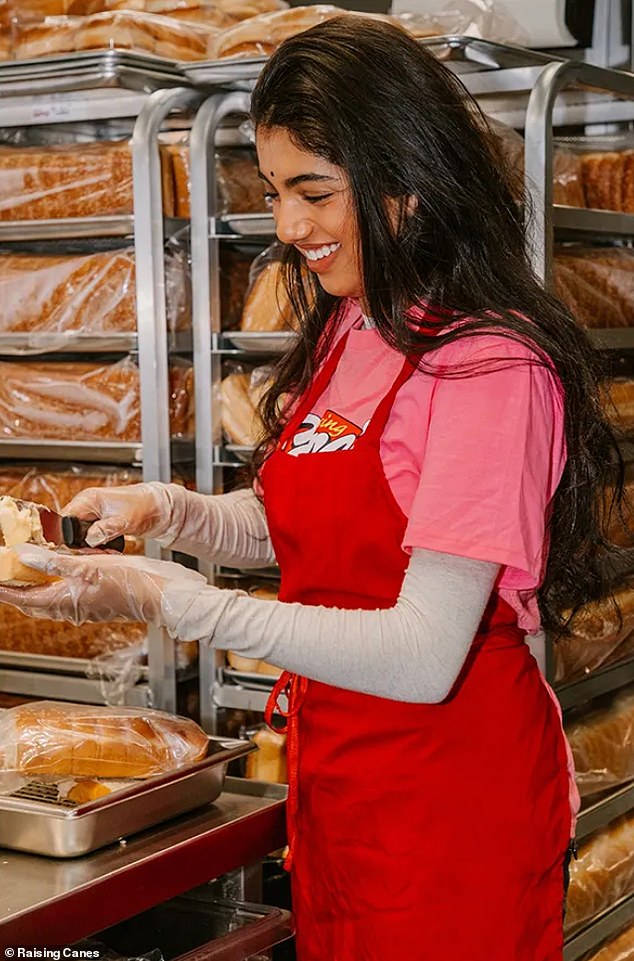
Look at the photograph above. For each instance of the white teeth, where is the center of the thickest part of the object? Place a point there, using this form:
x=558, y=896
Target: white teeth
x=320, y=252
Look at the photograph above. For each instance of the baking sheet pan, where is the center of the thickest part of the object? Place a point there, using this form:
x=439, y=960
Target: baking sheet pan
x=52, y=828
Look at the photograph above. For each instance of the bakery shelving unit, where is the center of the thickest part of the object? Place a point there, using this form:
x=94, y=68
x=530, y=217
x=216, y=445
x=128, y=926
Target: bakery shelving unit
x=107, y=85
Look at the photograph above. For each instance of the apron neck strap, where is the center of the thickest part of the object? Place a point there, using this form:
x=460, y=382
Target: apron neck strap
x=379, y=419
x=317, y=387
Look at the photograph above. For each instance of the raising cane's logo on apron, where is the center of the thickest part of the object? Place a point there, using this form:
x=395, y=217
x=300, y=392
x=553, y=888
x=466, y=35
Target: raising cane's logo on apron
x=316, y=435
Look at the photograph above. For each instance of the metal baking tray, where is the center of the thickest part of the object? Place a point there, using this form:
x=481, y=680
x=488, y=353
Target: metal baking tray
x=241, y=452
x=57, y=664
x=93, y=452
x=87, y=69
x=251, y=681
x=266, y=342
x=238, y=72
x=465, y=54
x=36, y=820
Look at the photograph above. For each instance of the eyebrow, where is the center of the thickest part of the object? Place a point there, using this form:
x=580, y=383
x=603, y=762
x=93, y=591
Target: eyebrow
x=300, y=179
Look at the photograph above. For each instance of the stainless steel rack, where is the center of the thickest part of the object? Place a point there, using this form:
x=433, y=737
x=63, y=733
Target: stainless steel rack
x=108, y=85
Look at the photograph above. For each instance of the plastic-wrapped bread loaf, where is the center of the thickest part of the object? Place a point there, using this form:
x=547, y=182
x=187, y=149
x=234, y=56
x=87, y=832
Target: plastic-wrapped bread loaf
x=23, y=634
x=619, y=403
x=267, y=306
x=239, y=189
x=123, y=29
x=603, y=746
x=241, y=394
x=84, y=740
x=81, y=401
x=88, y=293
x=620, y=948
x=259, y=36
x=76, y=180
x=603, y=872
x=597, y=285
x=596, y=633
x=243, y=9
x=619, y=519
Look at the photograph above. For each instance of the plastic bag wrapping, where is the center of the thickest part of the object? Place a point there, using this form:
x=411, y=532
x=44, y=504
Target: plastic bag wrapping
x=597, y=284
x=619, y=948
x=606, y=170
x=241, y=393
x=150, y=33
x=603, y=872
x=82, y=401
x=618, y=520
x=266, y=305
x=29, y=635
x=618, y=403
x=239, y=189
x=71, y=180
x=235, y=267
x=83, y=293
x=596, y=634
x=566, y=173
x=46, y=737
x=603, y=746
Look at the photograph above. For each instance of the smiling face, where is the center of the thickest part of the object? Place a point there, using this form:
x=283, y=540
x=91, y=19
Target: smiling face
x=312, y=205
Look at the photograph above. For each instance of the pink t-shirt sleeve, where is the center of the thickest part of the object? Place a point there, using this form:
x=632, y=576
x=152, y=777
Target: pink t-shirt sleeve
x=494, y=454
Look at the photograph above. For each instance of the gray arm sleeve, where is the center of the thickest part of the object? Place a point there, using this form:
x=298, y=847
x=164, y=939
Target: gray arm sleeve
x=413, y=651
x=228, y=529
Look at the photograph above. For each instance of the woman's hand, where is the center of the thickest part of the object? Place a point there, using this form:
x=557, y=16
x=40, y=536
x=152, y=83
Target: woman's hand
x=103, y=587
x=140, y=509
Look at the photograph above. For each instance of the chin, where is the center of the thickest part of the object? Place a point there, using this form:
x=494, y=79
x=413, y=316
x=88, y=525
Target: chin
x=339, y=288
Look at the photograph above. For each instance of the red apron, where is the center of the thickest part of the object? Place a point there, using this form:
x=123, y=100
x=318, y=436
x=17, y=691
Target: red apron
x=418, y=832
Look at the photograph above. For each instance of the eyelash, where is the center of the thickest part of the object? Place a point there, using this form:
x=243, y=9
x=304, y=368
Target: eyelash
x=270, y=198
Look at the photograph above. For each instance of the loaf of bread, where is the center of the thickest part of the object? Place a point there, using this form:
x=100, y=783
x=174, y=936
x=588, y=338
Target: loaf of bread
x=87, y=789
x=267, y=306
x=259, y=36
x=268, y=763
x=602, y=745
x=27, y=635
x=619, y=519
x=596, y=632
x=239, y=189
x=82, y=401
x=76, y=180
x=603, y=872
x=161, y=36
x=620, y=948
x=618, y=403
x=77, y=740
x=243, y=9
x=235, y=266
x=241, y=394
x=597, y=285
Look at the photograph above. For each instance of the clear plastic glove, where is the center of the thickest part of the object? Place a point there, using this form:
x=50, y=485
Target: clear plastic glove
x=139, y=509
x=105, y=587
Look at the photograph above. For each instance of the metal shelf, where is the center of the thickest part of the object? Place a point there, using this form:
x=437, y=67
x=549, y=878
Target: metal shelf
x=65, y=687
x=73, y=228
x=94, y=452
x=600, y=929
x=253, y=341
x=618, y=338
x=575, y=222
x=602, y=682
x=76, y=342
x=239, y=698
x=240, y=226
x=599, y=814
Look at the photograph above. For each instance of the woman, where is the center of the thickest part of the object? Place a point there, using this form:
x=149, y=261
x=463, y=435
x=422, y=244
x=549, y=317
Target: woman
x=431, y=805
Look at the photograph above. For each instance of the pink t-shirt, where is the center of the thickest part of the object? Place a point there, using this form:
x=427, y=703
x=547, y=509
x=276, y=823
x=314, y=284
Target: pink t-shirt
x=473, y=461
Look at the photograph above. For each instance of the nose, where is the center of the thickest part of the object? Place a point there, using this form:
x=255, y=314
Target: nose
x=291, y=224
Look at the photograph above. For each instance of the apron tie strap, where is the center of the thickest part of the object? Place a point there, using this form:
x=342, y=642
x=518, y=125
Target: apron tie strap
x=294, y=687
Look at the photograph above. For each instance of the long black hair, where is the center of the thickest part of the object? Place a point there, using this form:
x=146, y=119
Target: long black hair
x=370, y=99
